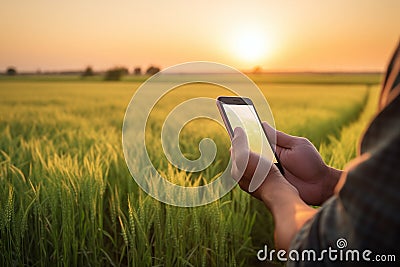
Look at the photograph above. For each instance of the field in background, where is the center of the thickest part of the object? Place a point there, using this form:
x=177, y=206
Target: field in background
x=281, y=78
x=67, y=198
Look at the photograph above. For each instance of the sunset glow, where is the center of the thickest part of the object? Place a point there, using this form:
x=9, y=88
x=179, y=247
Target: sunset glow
x=276, y=35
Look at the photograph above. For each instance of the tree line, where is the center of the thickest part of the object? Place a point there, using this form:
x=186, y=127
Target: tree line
x=116, y=73
x=113, y=74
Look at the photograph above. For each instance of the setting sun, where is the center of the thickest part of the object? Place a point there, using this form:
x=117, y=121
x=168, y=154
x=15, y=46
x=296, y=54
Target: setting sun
x=251, y=46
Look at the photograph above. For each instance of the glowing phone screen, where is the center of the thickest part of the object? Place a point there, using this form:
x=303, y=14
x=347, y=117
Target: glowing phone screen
x=246, y=117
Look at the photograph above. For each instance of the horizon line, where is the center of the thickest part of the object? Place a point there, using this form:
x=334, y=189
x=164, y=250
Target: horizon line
x=76, y=72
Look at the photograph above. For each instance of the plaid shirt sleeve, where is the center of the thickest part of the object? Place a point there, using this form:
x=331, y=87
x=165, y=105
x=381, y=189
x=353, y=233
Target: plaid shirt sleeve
x=366, y=211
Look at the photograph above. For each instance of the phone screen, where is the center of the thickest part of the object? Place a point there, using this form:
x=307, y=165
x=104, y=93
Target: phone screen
x=245, y=116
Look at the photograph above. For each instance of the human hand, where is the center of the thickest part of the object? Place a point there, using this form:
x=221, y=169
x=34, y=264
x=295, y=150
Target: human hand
x=304, y=167
x=282, y=198
x=249, y=168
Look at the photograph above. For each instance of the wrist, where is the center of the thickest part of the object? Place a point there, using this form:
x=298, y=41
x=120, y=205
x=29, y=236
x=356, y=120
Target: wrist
x=290, y=213
x=331, y=180
x=280, y=195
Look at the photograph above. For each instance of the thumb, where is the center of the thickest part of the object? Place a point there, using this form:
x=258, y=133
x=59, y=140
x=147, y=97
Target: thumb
x=271, y=133
x=285, y=140
x=240, y=153
x=239, y=140
x=279, y=139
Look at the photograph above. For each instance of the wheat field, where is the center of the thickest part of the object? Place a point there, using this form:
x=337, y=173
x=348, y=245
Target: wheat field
x=68, y=199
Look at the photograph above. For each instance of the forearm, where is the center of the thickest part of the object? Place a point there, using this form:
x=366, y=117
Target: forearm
x=290, y=213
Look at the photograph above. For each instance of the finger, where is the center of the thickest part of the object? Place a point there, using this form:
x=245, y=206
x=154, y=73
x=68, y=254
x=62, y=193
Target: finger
x=271, y=133
x=285, y=140
x=258, y=170
x=259, y=174
x=249, y=171
x=240, y=153
x=239, y=140
x=272, y=136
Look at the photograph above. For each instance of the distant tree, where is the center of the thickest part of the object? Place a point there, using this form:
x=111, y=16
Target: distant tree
x=88, y=72
x=257, y=69
x=124, y=70
x=11, y=71
x=152, y=70
x=137, y=71
x=115, y=74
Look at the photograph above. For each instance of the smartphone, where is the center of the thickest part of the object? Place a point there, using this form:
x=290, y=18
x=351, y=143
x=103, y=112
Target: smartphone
x=240, y=112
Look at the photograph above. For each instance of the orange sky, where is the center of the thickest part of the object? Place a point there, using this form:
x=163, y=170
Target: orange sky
x=283, y=35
